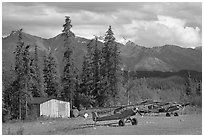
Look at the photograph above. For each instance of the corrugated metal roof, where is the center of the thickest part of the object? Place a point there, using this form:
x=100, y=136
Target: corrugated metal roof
x=40, y=100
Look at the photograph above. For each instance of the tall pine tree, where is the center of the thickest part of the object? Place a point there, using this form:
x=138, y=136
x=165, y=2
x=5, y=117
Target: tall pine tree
x=36, y=78
x=85, y=77
x=50, y=75
x=109, y=67
x=91, y=80
x=87, y=70
x=22, y=71
x=69, y=72
x=9, y=95
x=97, y=77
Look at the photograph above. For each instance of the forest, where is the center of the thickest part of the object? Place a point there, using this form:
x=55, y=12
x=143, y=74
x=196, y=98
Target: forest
x=101, y=83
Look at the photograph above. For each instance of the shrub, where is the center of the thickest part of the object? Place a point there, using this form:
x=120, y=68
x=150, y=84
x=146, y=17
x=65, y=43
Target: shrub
x=196, y=101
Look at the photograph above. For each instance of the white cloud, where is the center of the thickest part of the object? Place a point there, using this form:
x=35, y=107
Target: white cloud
x=182, y=35
x=170, y=21
x=166, y=30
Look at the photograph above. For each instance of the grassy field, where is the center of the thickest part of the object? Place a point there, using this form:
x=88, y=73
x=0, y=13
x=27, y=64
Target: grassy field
x=190, y=124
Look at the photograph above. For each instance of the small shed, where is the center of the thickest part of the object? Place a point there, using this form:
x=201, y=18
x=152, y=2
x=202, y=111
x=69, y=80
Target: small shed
x=49, y=107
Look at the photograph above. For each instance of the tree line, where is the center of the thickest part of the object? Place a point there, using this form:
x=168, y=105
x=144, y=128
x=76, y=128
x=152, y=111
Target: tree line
x=96, y=85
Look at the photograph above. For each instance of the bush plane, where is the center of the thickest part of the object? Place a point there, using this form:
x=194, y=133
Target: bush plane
x=123, y=114
x=161, y=107
x=171, y=108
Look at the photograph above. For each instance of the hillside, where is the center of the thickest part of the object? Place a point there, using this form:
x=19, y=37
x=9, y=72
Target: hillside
x=158, y=74
x=166, y=58
x=137, y=58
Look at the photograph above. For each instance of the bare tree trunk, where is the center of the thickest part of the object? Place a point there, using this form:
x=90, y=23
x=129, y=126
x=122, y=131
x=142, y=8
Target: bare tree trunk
x=26, y=108
x=128, y=96
x=26, y=103
x=71, y=100
x=20, y=106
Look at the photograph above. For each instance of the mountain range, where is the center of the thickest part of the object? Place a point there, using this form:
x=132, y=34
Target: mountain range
x=167, y=58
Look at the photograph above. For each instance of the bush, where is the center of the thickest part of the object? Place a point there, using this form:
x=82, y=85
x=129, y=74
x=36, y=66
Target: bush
x=172, y=89
x=196, y=101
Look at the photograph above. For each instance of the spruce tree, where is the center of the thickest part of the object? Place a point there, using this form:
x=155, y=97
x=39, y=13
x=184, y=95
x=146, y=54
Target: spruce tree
x=189, y=85
x=110, y=65
x=18, y=71
x=84, y=86
x=36, y=78
x=115, y=71
x=50, y=75
x=22, y=71
x=97, y=77
x=87, y=70
x=27, y=59
x=9, y=94
x=90, y=78
x=69, y=72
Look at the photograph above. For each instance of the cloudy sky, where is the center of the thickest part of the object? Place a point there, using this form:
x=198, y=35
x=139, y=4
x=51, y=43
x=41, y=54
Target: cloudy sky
x=146, y=24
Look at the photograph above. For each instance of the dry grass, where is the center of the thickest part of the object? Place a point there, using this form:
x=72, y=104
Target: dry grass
x=83, y=126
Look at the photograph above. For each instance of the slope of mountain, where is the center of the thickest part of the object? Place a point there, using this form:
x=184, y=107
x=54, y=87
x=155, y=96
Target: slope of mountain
x=55, y=44
x=57, y=47
x=165, y=58
x=198, y=48
x=135, y=57
x=9, y=46
x=151, y=64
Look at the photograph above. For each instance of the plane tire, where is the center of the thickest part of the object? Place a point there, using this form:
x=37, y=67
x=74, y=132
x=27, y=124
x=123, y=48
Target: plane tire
x=167, y=115
x=134, y=121
x=176, y=114
x=121, y=123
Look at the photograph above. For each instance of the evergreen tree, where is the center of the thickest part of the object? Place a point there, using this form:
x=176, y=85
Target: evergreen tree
x=110, y=66
x=50, y=75
x=97, y=77
x=84, y=86
x=27, y=60
x=189, y=85
x=90, y=78
x=11, y=101
x=36, y=79
x=199, y=88
x=8, y=92
x=86, y=91
x=69, y=72
x=22, y=67
x=87, y=71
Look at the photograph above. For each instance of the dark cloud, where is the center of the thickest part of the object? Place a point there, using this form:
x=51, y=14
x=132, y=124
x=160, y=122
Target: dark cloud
x=101, y=7
x=23, y=8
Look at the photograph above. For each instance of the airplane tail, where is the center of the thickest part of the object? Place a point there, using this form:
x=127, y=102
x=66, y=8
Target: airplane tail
x=94, y=116
x=136, y=110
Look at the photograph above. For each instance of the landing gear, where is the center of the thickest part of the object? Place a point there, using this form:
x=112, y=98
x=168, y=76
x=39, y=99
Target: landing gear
x=167, y=114
x=121, y=123
x=175, y=114
x=134, y=121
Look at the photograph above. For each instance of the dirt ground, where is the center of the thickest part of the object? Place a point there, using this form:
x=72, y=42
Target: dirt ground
x=147, y=125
